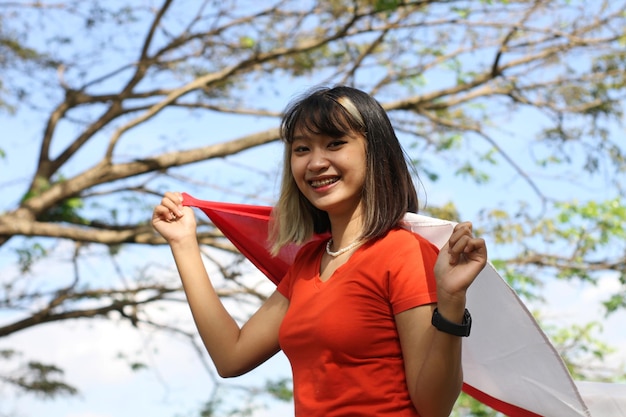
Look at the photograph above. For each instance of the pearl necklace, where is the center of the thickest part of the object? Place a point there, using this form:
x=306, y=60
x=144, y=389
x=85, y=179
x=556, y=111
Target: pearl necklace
x=343, y=250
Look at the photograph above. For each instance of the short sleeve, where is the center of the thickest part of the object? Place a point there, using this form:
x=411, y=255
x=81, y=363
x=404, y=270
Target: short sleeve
x=284, y=286
x=411, y=273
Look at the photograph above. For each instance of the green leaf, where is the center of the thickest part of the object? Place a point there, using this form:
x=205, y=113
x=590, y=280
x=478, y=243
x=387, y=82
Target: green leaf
x=386, y=5
x=247, y=42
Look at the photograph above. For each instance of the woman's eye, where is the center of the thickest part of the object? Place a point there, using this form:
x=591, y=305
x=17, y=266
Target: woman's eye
x=336, y=143
x=299, y=149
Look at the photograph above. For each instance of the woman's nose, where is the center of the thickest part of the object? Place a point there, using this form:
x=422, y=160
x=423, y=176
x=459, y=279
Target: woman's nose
x=318, y=161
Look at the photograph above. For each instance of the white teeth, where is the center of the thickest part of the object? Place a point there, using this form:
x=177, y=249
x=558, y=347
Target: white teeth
x=324, y=182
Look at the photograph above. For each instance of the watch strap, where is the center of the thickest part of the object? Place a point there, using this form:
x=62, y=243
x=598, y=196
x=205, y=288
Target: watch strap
x=443, y=325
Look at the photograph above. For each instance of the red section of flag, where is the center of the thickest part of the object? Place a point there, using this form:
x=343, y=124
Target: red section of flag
x=246, y=226
x=507, y=409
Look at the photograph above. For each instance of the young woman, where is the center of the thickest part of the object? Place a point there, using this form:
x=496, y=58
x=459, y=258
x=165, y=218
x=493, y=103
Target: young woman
x=370, y=319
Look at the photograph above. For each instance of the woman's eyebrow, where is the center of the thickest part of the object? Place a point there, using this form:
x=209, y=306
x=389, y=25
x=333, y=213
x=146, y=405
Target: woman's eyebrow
x=299, y=137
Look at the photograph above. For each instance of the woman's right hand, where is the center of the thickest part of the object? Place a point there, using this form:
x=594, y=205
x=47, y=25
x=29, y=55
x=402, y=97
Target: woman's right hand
x=173, y=221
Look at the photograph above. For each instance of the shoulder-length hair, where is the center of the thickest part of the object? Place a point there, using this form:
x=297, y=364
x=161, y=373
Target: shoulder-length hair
x=388, y=192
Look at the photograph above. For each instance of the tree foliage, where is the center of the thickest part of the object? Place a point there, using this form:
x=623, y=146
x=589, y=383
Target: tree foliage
x=125, y=100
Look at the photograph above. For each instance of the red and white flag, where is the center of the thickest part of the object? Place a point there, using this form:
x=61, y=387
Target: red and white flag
x=508, y=362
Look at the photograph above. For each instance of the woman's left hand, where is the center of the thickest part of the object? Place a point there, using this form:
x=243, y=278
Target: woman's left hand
x=458, y=263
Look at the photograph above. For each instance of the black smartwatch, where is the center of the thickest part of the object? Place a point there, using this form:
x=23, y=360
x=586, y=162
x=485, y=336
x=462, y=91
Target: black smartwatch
x=443, y=325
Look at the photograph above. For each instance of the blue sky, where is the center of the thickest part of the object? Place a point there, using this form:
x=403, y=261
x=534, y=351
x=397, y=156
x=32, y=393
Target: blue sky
x=175, y=383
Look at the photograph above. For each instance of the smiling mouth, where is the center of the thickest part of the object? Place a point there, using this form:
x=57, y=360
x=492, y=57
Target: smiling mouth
x=324, y=182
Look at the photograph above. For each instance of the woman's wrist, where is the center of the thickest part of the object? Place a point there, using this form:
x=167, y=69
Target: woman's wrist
x=452, y=308
x=184, y=242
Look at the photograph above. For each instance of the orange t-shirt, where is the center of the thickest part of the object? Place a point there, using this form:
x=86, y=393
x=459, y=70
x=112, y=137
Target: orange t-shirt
x=340, y=335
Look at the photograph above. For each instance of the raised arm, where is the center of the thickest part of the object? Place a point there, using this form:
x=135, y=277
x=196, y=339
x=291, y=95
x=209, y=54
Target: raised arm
x=432, y=357
x=234, y=350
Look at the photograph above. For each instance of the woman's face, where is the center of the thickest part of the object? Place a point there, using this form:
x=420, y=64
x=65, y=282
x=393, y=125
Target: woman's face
x=330, y=172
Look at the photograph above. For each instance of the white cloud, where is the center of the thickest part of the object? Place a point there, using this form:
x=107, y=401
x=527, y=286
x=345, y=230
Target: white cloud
x=573, y=302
